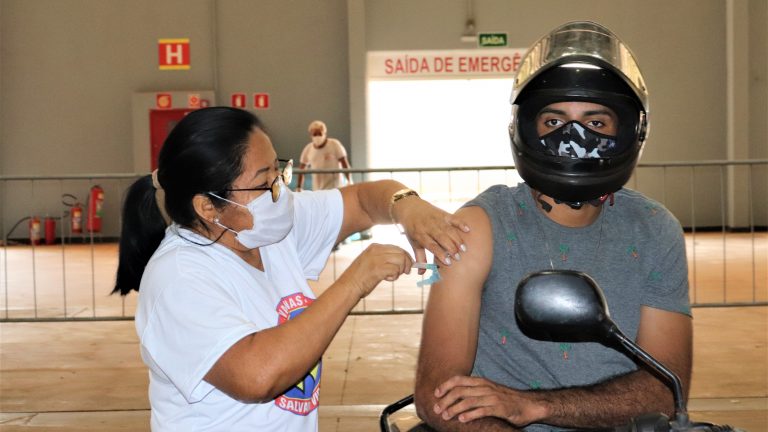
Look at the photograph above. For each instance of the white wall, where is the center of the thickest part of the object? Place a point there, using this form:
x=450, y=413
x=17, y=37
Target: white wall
x=68, y=69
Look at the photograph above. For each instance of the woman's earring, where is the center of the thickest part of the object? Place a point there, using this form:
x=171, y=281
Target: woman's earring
x=216, y=220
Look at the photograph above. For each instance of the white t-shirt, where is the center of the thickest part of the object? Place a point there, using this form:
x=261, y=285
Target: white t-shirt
x=325, y=157
x=196, y=301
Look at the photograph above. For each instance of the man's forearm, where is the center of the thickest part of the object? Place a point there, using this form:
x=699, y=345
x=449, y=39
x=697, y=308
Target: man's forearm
x=610, y=403
x=496, y=407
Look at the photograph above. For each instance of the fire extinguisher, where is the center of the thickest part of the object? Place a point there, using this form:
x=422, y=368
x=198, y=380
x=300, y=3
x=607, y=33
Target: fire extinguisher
x=34, y=230
x=76, y=218
x=75, y=213
x=50, y=230
x=95, y=204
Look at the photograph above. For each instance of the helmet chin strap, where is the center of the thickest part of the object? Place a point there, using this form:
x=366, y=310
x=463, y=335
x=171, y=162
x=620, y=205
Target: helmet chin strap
x=545, y=205
x=597, y=202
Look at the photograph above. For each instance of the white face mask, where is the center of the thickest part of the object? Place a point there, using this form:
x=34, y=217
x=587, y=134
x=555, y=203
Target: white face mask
x=271, y=221
x=317, y=140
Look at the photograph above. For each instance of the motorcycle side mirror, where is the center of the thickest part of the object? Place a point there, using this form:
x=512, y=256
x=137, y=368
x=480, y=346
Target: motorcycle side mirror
x=564, y=306
x=569, y=306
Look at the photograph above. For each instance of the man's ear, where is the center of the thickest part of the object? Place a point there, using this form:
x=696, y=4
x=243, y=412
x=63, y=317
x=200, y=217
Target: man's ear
x=204, y=208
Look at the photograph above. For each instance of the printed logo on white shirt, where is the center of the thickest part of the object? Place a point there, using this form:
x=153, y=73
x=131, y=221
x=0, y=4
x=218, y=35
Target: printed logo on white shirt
x=302, y=398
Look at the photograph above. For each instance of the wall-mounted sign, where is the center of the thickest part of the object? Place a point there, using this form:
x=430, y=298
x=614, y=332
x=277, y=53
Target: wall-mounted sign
x=163, y=101
x=492, y=40
x=194, y=101
x=173, y=54
x=261, y=100
x=238, y=100
x=452, y=64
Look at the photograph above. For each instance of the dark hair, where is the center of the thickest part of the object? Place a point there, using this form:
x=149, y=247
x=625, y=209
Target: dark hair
x=204, y=152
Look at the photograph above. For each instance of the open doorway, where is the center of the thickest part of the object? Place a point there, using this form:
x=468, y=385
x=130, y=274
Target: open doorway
x=443, y=123
x=440, y=109
x=438, y=123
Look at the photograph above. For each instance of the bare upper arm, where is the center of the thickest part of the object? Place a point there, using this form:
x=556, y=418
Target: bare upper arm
x=451, y=317
x=668, y=337
x=355, y=218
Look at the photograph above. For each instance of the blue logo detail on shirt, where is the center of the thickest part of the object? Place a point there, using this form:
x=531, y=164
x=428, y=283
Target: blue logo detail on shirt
x=303, y=397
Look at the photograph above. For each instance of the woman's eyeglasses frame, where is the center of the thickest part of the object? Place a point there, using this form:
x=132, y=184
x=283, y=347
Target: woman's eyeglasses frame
x=286, y=174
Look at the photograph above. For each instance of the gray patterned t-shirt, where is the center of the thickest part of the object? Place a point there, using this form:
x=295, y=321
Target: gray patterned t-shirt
x=635, y=252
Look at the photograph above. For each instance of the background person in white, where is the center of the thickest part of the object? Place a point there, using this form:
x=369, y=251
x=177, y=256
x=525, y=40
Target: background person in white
x=323, y=153
x=229, y=328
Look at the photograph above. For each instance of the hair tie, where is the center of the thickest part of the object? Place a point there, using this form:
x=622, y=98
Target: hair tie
x=160, y=198
x=155, y=181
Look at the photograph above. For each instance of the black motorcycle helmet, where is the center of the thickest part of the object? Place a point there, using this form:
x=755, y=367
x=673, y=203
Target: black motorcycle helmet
x=582, y=62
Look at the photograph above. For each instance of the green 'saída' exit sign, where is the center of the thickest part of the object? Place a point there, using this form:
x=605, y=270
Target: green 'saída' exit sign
x=492, y=39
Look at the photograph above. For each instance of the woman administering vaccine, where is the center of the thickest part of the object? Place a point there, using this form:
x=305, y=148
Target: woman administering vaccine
x=221, y=250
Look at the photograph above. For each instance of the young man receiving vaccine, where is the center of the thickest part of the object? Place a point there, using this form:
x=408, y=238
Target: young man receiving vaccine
x=579, y=123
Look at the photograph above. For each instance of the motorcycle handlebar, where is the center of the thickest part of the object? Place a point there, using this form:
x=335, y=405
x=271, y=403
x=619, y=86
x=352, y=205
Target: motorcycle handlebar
x=661, y=423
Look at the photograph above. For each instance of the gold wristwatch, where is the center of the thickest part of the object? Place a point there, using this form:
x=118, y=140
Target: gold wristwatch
x=402, y=193
x=397, y=196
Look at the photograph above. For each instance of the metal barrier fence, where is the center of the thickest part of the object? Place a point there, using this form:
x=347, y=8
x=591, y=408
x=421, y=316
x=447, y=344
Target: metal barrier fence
x=722, y=204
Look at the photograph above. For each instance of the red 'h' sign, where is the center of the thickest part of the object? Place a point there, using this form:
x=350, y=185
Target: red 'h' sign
x=173, y=54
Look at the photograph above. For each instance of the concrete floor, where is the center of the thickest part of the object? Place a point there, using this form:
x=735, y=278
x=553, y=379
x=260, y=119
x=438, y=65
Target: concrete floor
x=88, y=376
x=78, y=376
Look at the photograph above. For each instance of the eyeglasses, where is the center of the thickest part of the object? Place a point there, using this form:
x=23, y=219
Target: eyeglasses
x=286, y=173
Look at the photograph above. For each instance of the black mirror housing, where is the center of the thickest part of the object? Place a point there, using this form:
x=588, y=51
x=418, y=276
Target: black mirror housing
x=564, y=306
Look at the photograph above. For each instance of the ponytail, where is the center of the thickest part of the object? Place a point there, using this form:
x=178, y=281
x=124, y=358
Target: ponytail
x=142, y=231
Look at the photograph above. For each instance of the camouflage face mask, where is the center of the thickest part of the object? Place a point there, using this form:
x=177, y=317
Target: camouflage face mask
x=574, y=140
